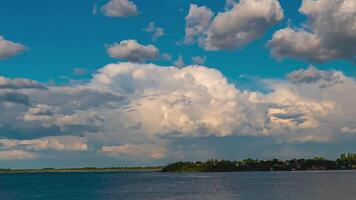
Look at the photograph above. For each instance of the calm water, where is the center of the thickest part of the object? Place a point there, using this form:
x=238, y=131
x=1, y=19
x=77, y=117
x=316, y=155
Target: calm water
x=195, y=186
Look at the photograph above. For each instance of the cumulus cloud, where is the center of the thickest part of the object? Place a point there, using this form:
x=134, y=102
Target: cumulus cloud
x=156, y=31
x=246, y=21
x=136, y=110
x=198, y=101
x=19, y=83
x=120, y=8
x=36, y=113
x=17, y=155
x=132, y=51
x=197, y=23
x=9, y=49
x=64, y=143
x=313, y=75
x=328, y=34
x=142, y=151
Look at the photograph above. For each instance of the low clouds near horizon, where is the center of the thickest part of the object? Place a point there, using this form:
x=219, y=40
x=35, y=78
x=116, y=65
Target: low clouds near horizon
x=137, y=110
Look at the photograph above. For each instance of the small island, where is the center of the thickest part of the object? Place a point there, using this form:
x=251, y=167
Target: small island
x=344, y=162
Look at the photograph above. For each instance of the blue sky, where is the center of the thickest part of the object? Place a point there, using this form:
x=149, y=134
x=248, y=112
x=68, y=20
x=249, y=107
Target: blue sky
x=64, y=35
x=60, y=36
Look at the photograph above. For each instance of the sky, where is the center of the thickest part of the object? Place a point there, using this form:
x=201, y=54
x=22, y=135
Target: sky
x=147, y=82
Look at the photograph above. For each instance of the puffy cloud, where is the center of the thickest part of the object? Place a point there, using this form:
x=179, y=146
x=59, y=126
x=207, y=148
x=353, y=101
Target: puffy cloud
x=19, y=83
x=136, y=150
x=36, y=113
x=9, y=49
x=197, y=23
x=17, y=155
x=328, y=34
x=64, y=143
x=246, y=21
x=156, y=31
x=137, y=110
x=133, y=51
x=313, y=75
x=198, y=101
x=120, y=8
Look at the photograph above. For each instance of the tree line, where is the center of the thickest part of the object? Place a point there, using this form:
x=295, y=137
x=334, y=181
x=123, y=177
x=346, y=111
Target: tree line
x=344, y=162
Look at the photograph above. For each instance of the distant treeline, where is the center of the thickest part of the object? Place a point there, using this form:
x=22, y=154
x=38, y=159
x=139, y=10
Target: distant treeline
x=84, y=169
x=344, y=162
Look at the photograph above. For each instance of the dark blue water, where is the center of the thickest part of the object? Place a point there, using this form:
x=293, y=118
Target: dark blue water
x=175, y=186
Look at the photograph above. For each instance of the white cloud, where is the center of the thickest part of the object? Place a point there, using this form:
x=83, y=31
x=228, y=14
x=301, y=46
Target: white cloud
x=142, y=108
x=133, y=51
x=198, y=101
x=246, y=21
x=9, y=49
x=313, y=75
x=348, y=130
x=329, y=33
x=17, y=155
x=120, y=8
x=136, y=150
x=198, y=60
x=156, y=31
x=64, y=143
x=197, y=22
x=19, y=83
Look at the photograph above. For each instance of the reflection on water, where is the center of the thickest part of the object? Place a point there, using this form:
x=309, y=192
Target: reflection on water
x=175, y=186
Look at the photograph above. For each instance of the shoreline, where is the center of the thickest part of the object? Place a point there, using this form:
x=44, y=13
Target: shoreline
x=40, y=171
x=77, y=170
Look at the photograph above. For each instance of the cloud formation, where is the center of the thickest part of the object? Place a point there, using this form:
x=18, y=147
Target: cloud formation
x=132, y=110
x=9, y=49
x=197, y=23
x=313, y=75
x=156, y=31
x=19, y=83
x=328, y=34
x=64, y=143
x=132, y=51
x=246, y=21
x=120, y=8
x=17, y=155
x=142, y=151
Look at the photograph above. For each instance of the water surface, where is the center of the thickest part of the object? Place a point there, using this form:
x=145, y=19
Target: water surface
x=326, y=185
